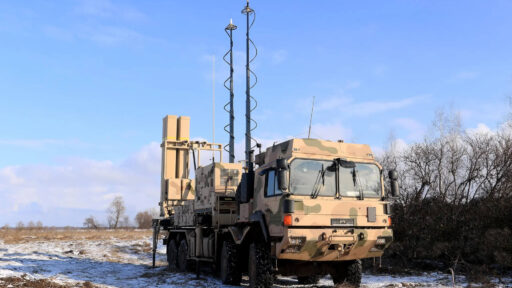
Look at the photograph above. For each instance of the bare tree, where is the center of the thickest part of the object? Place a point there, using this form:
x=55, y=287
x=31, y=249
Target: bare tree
x=116, y=212
x=31, y=225
x=144, y=219
x=455, y=186
x=39, y=224
x=20, y=225
x=90, y=222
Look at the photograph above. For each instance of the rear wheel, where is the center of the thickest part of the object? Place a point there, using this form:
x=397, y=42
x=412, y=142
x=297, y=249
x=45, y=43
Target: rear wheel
x=172, y=254
x=182, y=256
x=229, y=264
x=260, y=266
x=308, y=280
x=348, y=274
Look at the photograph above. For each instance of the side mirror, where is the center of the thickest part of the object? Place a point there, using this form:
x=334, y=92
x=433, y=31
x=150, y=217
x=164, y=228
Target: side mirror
x=282, y=180
x=393, y=178
x=245, y=190
x=282, y=174
x=282, y=164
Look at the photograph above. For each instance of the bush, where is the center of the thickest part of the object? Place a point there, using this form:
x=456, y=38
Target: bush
x=144, y=220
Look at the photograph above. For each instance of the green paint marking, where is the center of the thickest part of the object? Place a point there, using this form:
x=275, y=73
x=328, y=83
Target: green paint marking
x=353, y=214
x=361, y=242
x=298, y=205
x=312, y=209
x=318, y=144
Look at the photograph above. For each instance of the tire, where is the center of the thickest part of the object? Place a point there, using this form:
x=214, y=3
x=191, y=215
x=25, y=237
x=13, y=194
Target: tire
x=182, y=261
x=348, y=274
x=308, y=280
x=260, y=266
x=172, y=255
x=229, y=264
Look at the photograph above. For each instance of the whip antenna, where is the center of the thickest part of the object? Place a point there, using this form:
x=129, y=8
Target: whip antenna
x=311, y=117
x=231, y=146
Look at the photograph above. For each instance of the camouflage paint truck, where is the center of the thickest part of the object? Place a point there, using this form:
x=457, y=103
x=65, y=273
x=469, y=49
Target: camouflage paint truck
x=309, y=208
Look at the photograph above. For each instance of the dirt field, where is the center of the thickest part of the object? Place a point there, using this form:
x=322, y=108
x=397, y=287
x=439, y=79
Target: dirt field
x=122, y=258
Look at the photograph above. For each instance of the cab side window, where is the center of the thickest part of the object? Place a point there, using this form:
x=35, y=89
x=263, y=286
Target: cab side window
x=271, y=188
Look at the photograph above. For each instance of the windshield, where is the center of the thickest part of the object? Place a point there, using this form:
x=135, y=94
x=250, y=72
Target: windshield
x=306, y=178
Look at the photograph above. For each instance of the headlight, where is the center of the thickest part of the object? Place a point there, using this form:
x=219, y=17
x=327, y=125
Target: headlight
x=297, y=241
x=380, y=241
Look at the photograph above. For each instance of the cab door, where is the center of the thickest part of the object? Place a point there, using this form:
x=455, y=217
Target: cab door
x=272, y=204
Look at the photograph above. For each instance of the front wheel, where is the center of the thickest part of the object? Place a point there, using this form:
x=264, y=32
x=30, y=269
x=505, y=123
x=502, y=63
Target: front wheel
x=229, y=264
x=260, y=266
x=349, y=273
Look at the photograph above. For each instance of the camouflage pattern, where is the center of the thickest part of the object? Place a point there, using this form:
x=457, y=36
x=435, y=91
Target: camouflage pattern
x=214, y=180
x=312, y=236
x=216, y=186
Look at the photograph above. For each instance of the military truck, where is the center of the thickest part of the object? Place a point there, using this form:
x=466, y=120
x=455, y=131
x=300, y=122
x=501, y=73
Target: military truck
x=309, y=208
x=303, y=207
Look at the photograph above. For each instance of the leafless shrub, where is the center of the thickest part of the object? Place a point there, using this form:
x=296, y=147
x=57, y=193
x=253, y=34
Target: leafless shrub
x=20, y=225
x=91, y=223
x=456, y=187
x=144, y=219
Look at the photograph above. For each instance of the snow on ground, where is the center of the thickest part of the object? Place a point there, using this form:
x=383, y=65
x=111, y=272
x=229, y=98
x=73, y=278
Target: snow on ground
x=127, y=263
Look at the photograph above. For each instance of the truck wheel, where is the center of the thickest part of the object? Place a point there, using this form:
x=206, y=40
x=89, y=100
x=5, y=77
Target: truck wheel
x=229, y=265
x=260, y=274
x=350, y=273
x=182, y=256
x=308, y=280
x=172, y=255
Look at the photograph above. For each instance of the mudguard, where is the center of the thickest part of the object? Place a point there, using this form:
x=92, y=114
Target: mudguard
x=239, y=234
x=259, y=218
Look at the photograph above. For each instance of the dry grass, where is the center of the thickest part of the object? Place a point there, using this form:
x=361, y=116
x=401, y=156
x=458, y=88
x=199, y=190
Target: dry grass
x=39, y=283
x=13, y=236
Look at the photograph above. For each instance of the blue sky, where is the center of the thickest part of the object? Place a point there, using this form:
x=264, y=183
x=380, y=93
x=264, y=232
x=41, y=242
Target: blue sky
x=84, y=85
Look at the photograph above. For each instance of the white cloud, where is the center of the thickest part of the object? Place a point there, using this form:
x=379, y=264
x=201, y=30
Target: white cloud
x=40, y=143
x=111, y=35
x=82, y=185
x=480, y=129
x=330, y=131
x=414, y=129
x=398, y=146
x=348, y=106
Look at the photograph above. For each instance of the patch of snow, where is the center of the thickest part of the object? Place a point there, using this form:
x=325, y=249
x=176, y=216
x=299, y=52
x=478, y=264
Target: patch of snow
x=127, y=263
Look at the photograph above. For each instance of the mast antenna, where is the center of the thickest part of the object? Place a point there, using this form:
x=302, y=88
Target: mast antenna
x=213, y=106
x=231, y=146
x=249, y=122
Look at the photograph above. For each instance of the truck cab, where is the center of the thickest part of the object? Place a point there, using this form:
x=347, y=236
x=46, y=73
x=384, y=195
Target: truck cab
x=321, y=206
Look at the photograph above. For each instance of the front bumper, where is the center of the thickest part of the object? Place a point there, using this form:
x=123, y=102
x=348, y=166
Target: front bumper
x=334, y=243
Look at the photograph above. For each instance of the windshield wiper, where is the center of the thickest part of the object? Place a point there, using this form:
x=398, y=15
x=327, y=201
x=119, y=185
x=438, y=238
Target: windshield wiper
x=317, y=187
x=357, y=183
